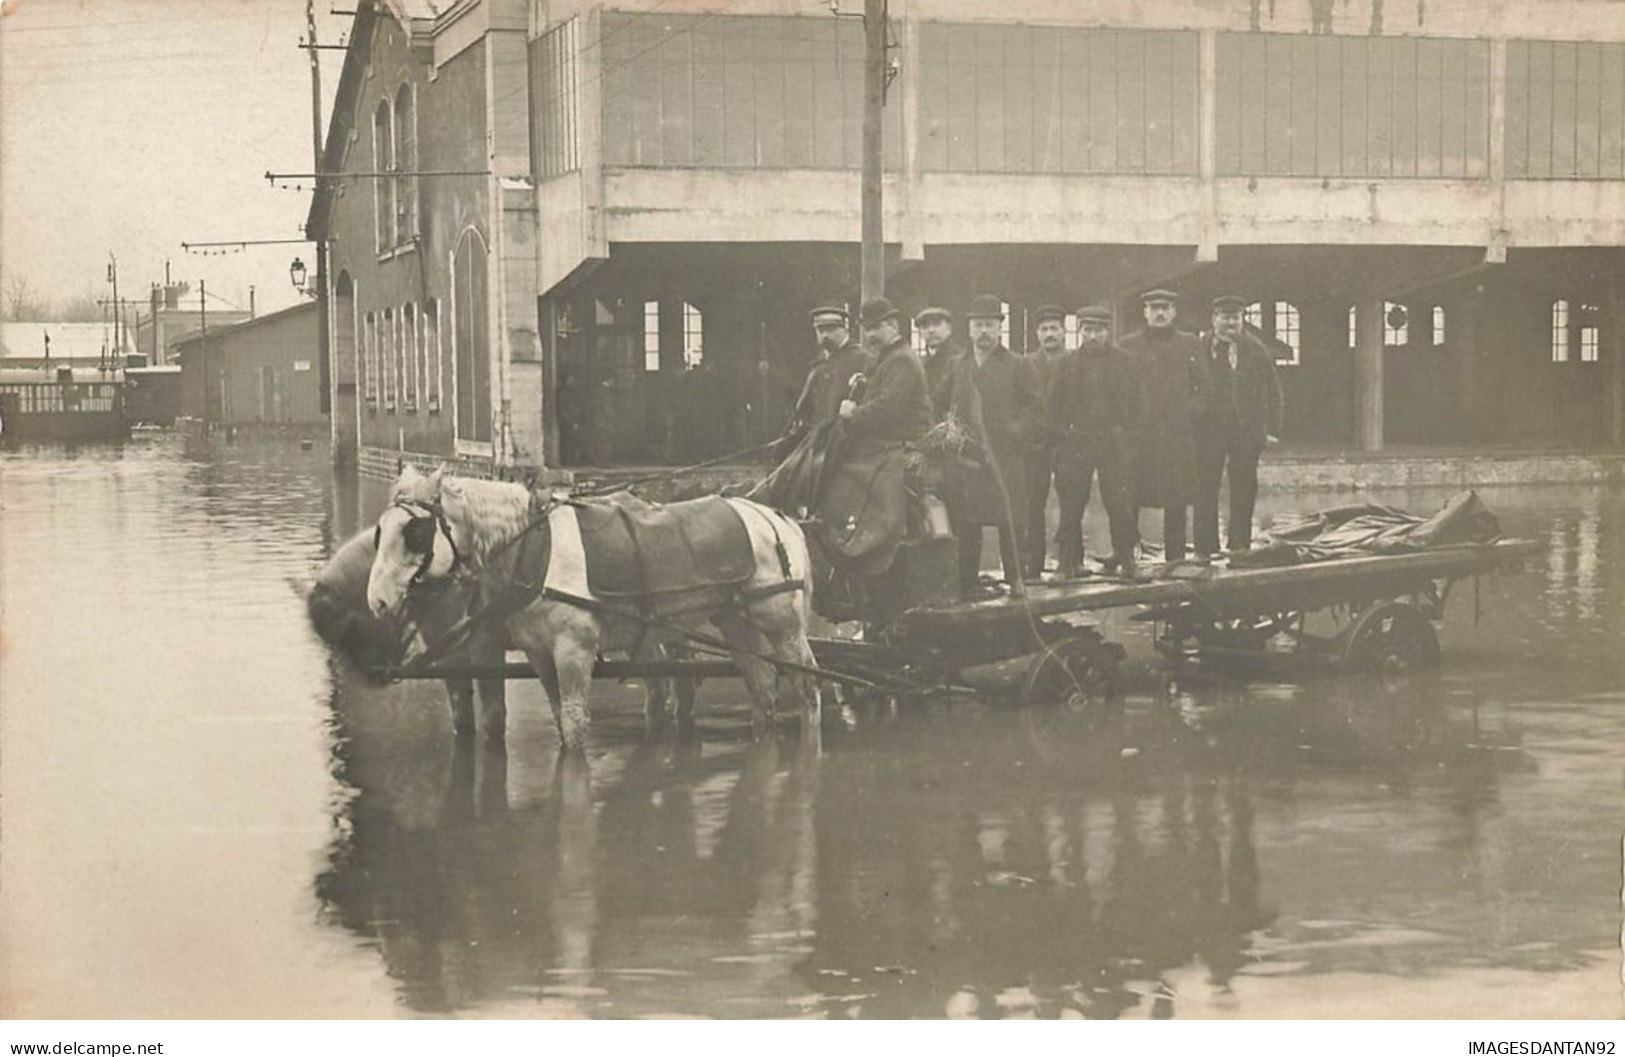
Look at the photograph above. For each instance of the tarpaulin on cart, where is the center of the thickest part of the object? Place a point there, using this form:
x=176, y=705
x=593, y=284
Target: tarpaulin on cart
x=1371, y=528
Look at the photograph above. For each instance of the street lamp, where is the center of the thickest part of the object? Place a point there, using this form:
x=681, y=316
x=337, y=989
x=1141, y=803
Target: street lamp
x=296, y=272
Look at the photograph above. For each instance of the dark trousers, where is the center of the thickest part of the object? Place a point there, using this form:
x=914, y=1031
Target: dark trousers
x=1075, y=471
x=1173, y=531
x=1221, y=445
x=970, y=555
x=1040, y=468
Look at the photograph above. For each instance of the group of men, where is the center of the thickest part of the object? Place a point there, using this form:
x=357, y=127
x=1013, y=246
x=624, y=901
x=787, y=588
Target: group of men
x=1155, y=420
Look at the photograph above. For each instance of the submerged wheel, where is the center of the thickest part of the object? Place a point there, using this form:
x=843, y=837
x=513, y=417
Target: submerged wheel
x=1391, y=639
x=1079, y=673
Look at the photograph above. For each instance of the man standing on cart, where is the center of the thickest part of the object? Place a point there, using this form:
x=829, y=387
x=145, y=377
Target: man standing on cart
x=1095, y=414
x=1239, y=410
x=1049, y=326
x=1165, y=472
x=994, y=395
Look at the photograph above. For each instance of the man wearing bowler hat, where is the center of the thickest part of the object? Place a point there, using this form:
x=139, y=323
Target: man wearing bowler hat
x=830, y=380
x=892, y=406
x=1094, y=416
x=994, y=394
x=1049, y=326
x=936, y=327
x=1239, y=409
x=1166, y=362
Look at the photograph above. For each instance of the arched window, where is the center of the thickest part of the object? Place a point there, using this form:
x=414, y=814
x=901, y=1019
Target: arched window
x=471, y=346
x=412, y=353
x=1560, y=331
x=390, y=376
x=369, y=353
x=651, y=335
x=1396, y=324
x=693, y=336
x=383, y=160
x=1280, y=320
x=431, y=355
x=406, y=161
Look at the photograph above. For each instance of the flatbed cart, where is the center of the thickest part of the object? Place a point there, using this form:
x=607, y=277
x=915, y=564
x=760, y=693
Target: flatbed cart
x=1381, y=611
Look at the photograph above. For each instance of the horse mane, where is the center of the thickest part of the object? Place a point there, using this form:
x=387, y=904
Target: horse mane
x=492, y=512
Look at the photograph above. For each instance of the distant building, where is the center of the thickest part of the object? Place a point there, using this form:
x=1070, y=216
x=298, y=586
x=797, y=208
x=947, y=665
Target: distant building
x=174, y=315
x=604, y=224
x=260, y=372
x=24, y=345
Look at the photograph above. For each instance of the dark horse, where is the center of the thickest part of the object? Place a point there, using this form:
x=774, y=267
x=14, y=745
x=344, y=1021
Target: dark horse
x=337, y=606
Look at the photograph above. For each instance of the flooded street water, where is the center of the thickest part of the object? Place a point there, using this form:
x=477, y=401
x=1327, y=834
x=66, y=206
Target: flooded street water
x=204, y=817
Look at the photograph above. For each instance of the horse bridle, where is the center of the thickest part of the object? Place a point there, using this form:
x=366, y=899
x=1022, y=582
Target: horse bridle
x=435, y=515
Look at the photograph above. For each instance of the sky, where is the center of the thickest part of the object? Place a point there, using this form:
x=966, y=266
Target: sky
x=131, y=126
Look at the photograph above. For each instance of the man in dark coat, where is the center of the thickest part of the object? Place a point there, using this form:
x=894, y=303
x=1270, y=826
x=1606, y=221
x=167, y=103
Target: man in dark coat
x=1094, y=414
x=1239, y=409
x=994, y=395
x=936, y=327
x=892, y=406
x=1049, y=325
x=1165, y=473
x=830, y=379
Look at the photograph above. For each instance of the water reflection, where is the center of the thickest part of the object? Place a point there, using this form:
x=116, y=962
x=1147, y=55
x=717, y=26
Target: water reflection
x=953, y=859
x=1445, y=845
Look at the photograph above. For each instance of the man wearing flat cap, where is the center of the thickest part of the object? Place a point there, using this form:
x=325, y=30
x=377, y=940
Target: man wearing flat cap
x=936, y=327
x=1049, y=326
x=1238, y=411
x=1094, y=416
x=994, y=394
x=1166, y=362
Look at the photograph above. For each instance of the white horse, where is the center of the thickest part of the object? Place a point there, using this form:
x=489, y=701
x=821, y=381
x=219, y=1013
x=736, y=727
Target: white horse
x=437, y=526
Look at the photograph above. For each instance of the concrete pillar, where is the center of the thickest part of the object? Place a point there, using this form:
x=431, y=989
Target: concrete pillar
x=1496, y=246
x=1613, y=337
x=913, y=229
x=1368, y=373
x=1464, y=334
x=1208, y=248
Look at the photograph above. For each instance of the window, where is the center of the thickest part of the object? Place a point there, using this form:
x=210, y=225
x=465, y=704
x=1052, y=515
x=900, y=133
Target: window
x=471, y=358
x=1438, y=324
x=1004, y=328
x=390, y=377
x=651, y=335
x=1589, y=340
x=1560, y=331
x=1288, y=333
x=1354, y=326
x=383, y=160
x=1396, y=324
x=1072, y=339
x=369, y=359
x=1254, y=315
x=406, y=161
x=413, y=354
x=693, y=335
x=431, y=355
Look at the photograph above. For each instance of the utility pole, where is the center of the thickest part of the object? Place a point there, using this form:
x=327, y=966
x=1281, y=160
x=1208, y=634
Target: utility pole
x=873, y=282
x=324, y=368
x=118, y=335
x=203, y=348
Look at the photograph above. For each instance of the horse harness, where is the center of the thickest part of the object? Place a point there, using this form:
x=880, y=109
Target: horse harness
x=526, y=581
x=431, y=516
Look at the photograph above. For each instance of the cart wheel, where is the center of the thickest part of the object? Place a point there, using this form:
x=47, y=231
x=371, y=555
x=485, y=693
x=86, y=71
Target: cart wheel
x=1391, y=638
x=1078, y=672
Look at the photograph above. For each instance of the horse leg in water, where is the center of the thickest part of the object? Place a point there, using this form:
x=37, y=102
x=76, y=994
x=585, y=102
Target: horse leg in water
x=570, y=654
x=486, y=649
x=460, y=696
x=660, y=693
x=749, y=647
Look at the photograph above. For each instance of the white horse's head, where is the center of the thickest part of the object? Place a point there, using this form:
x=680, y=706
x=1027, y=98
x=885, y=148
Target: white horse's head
x=415, y=541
